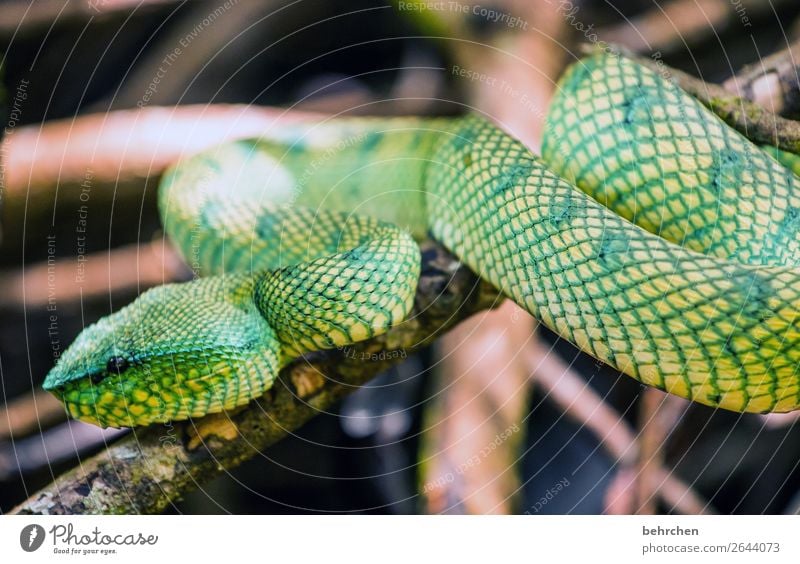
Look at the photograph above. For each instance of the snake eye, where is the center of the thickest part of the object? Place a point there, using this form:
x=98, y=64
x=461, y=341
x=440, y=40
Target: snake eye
x=116, y=365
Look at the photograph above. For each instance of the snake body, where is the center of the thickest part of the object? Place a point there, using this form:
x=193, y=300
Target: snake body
x=649, y=234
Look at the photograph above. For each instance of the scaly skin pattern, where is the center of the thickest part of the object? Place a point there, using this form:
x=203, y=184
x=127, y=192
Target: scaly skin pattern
x=305, y=239
x=636, y=143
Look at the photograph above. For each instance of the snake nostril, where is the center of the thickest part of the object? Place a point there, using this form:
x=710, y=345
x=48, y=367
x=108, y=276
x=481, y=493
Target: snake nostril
x=97, y=377
x=117, y=364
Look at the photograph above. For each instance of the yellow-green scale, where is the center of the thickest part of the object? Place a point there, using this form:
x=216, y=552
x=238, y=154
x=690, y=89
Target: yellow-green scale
x=716, y=331
x=360, y=166
x=637, y=143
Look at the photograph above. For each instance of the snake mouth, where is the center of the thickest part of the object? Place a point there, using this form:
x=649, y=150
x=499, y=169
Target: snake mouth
x=166, y=388
x=99, y=405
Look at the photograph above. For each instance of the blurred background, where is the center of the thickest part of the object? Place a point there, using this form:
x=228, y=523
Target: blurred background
x=91, y=87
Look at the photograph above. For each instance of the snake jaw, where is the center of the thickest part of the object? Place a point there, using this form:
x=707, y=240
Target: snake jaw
x=169, y=389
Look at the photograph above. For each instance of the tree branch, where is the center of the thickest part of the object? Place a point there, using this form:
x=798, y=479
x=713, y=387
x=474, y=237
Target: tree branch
x=673, y=26
x=570, y=392
x=773, y=82
x=22, y=18
x=152, y=468
x=125, y=147
x=659, y=413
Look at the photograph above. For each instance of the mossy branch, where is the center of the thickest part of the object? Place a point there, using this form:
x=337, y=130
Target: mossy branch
x=155, y=466
x=773, y=82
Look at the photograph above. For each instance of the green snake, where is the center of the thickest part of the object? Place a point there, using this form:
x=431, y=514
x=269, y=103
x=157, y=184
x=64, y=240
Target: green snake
x=649, y=234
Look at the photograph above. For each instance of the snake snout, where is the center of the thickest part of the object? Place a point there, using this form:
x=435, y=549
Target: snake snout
x=179, y=351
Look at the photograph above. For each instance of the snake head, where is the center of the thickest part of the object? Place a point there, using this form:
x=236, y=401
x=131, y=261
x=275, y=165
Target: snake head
x=178, y=351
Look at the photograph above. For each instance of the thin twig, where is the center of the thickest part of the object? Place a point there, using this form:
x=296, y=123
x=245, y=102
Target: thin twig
x=141, y=265
x=28, y=413
x=124, y=147
x=659, y=415
x=672, y=26
x=579, y=401
x=481, y=400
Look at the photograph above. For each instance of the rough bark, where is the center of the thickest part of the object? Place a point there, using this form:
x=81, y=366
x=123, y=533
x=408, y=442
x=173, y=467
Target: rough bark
x=678, y=25
x=773, y=82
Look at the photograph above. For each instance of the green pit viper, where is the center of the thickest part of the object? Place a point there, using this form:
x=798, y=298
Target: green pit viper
x=649, y=234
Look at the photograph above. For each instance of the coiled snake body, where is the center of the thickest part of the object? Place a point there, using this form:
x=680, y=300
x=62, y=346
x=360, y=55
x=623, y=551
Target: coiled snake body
x=679, y=268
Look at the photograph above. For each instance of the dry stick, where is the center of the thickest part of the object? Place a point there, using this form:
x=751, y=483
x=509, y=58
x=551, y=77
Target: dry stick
x=117, y=154
x=667, y=418
x=482, y=395
x=20, y=17
x=650, y=452
x=579, y=401
x=25, y=414
x=668, y=25
x=126, y=146
x=140, y=265
x=659, y=414
x=671, y=26
x=772, y=82
x=157, y=465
